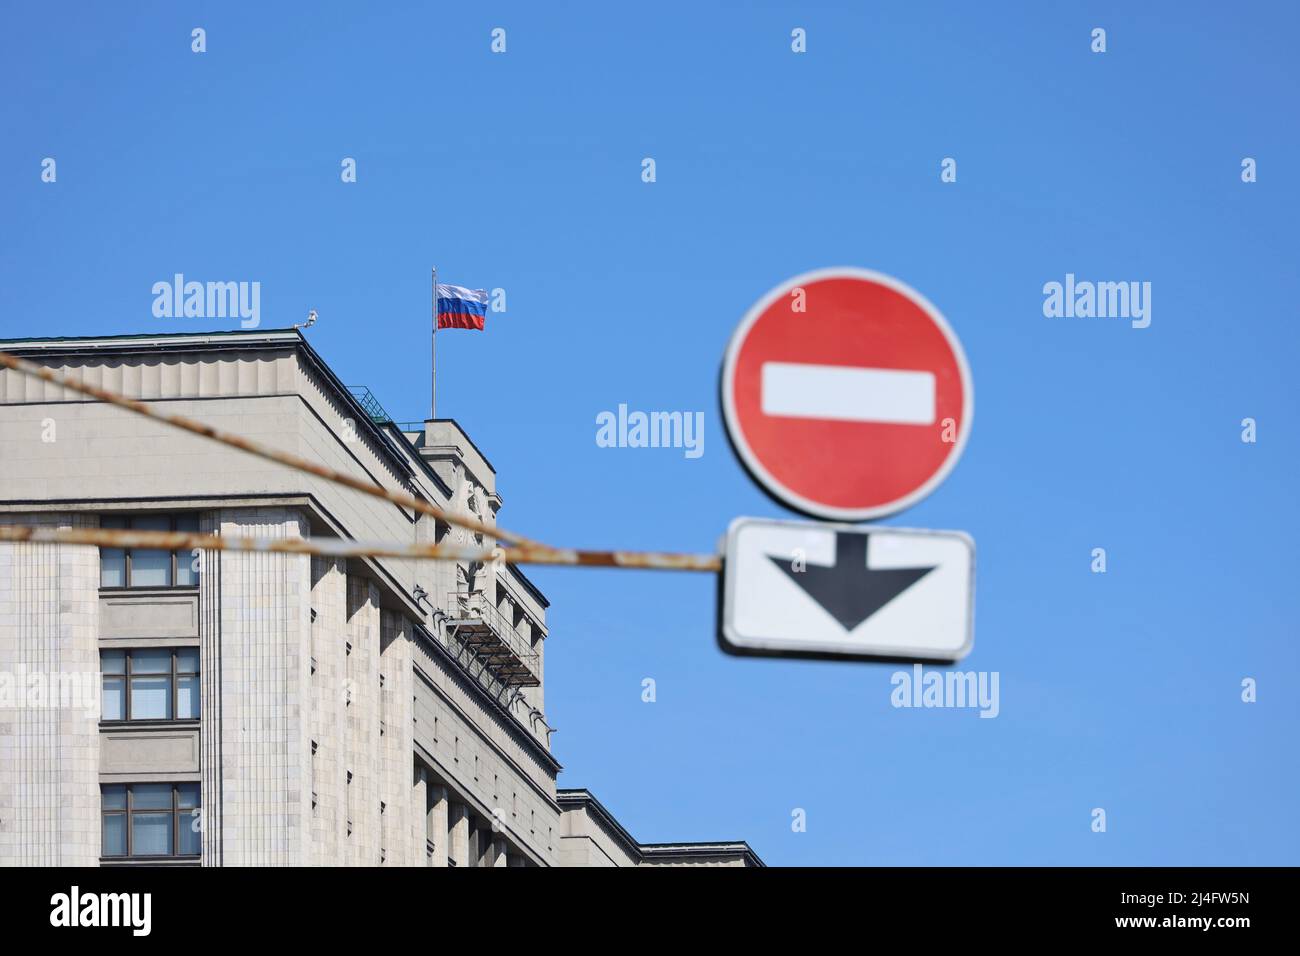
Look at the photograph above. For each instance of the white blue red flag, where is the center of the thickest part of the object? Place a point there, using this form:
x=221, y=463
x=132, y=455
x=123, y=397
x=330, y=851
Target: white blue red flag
x=460, y=308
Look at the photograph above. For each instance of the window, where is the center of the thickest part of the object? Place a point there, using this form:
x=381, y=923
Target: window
x=146, y=567
x=150, y=820
x=151, y=684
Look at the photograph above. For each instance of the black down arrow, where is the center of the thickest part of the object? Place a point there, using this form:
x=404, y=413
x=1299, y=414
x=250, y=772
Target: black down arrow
x=849, y=590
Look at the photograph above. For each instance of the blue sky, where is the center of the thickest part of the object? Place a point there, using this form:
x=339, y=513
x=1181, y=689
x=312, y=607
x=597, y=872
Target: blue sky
x=522, y=171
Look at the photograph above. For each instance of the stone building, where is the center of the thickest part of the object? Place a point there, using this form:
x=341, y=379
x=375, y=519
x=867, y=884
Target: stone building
x=260, y=709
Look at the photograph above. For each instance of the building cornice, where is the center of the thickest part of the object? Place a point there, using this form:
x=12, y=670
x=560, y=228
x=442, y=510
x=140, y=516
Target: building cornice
x=94, y=343
x=730, y=848
x=528, y=585
x=289, y=339
x=581, y=798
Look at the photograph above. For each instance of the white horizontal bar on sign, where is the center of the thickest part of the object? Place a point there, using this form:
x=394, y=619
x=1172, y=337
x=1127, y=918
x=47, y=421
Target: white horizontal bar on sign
x=848, y=393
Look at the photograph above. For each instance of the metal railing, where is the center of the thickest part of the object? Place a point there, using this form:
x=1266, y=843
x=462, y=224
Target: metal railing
x=463, y=606
x=366, y=399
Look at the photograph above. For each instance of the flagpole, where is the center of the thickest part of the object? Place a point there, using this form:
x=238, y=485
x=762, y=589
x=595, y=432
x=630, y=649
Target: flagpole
x=433, y=351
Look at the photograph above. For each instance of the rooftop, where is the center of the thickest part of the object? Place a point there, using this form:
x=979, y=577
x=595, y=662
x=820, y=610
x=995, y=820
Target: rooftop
x=573, y=798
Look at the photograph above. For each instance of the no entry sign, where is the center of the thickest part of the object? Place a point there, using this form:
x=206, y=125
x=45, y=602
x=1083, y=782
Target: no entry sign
x=846, y=394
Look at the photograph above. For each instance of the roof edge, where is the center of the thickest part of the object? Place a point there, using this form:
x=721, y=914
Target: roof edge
x=75, y=341
x=227, y=340
x=581, y=796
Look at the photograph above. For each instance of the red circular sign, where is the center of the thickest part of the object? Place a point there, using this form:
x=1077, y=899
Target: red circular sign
x=846, y=394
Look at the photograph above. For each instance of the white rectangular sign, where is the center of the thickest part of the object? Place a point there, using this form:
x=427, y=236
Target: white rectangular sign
x=802, y=589
x=848, y=394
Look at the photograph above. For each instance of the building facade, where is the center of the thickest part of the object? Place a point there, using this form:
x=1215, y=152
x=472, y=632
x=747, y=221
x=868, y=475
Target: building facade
x=254, y=709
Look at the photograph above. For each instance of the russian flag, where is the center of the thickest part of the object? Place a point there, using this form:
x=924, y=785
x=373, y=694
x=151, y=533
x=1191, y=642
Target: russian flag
x=460, y=308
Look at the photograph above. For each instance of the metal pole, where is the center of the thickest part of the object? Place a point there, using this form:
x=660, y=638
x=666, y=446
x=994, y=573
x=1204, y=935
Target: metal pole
x=433, y=352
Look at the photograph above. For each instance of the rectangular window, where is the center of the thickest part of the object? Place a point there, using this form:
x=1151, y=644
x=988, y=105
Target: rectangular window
x=189, y=813
x=150, y=684
x=150, y=820
x=149, y=688
x=113, y=665
x=113, y=807
x=187, y=683
x=187, y=562
x=148, y=567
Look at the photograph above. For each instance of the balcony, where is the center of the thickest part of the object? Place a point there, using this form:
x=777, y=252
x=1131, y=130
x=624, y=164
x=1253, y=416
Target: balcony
x=492, y=639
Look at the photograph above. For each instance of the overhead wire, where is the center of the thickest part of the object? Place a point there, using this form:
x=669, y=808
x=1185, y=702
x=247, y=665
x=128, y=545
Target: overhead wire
x=522, y=550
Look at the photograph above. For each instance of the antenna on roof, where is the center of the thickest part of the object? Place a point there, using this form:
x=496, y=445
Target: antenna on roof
x=311, y=320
